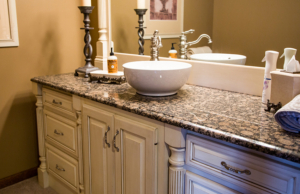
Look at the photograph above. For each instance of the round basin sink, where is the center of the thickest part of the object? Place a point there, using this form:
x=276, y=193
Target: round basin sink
x=157, y=78
x=220, y=58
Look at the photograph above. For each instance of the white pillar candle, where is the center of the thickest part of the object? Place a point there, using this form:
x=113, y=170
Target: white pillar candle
x=85, y=3
x=141, y=4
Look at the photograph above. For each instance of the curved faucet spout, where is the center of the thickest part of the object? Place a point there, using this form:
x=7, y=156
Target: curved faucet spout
x=199, y=38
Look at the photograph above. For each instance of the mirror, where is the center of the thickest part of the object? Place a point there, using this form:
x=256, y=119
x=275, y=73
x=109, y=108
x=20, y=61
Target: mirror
x=245, y=27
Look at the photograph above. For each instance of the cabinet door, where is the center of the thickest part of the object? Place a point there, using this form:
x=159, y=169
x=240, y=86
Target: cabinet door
x=97, y=156
x=136, y=157
x=196, y=184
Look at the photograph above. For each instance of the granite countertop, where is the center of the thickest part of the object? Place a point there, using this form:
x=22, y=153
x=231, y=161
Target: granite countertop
x=233, y=117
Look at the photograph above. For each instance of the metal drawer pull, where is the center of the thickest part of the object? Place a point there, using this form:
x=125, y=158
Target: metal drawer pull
x=60, y=169
x=58, y=133
x=105, y=137
x=115, y=141
x=247, y=172
x=54, y=102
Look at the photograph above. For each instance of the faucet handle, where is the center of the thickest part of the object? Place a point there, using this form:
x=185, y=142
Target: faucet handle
x=188, y=32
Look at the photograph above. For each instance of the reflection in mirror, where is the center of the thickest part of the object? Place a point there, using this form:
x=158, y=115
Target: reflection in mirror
x=244, y=27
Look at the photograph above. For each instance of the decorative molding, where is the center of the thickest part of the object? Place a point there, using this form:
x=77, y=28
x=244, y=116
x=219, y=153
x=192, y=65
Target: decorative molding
x=176, y=171
x=13, y=179
x=13, y=24
x=42, y=170
x=80, y=157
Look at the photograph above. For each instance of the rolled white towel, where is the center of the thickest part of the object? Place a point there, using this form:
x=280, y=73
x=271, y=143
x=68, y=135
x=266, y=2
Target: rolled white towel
x=202, y=49
x=288, y=117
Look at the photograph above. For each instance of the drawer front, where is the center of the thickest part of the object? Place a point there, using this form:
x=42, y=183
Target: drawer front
x=195, y=184
x=60, y=100
x=62, y=166
x=61, y=131
x=239, y=167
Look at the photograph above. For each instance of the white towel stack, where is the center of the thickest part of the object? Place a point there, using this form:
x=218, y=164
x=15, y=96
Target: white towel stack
x=288, y=117
x=197, y=50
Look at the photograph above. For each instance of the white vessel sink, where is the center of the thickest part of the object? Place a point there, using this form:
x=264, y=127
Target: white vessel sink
x=157, y=78
x=220, y=58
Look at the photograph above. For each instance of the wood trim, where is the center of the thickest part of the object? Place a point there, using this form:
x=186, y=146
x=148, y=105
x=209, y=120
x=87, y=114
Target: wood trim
x=13, y=179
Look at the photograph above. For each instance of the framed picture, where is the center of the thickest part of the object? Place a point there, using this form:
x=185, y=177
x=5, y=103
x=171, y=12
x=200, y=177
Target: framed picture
x=8, y=24
x=166, y=16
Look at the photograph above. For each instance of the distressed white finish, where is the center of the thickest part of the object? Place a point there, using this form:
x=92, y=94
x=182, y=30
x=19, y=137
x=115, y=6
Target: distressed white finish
x=136, y=160
x=97, y=156
x=42, y=172
x=8, y=19
x=62, y=166
x=175, y=136
x=266, y=176
x=176, y=171
x=77, y=106
x=195, y=184
x=141, y=165
x=61, y=132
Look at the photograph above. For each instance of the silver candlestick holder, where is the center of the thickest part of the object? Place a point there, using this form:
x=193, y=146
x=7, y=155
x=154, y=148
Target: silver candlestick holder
x=141, y=32
x=88, y=49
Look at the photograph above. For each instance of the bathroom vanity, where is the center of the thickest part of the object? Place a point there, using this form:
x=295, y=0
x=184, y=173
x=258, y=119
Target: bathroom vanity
x=101, y=138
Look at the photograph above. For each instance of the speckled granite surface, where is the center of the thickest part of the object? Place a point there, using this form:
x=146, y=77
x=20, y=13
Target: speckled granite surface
x=233, y=117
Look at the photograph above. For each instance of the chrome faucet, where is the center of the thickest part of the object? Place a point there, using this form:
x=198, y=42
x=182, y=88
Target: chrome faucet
x=155, y=46
x=184, y=44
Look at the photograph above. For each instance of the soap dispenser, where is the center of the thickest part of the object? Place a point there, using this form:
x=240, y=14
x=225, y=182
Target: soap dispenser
x=173, y=52
x=288, y=54
x=271, y=64
x=112, y=62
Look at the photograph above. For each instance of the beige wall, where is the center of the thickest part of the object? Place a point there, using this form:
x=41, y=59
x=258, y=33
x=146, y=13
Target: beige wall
x=50, y=43
x=124, y=21
x=250, y=27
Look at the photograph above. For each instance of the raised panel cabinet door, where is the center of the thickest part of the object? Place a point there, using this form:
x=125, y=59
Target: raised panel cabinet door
x=135, y=148
x=97, y=154
x=195, y=184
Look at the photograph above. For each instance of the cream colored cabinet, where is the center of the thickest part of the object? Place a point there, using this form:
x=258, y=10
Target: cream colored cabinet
x=196, y=184
x=136, y=157
x=98, y=157
x=120, y=154
x=243, y=170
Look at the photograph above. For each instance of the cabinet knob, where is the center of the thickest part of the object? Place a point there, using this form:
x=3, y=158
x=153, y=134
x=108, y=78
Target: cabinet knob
x=115, y=141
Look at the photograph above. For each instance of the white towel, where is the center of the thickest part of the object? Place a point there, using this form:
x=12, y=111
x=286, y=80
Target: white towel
x=288, y=117
x=197, y=50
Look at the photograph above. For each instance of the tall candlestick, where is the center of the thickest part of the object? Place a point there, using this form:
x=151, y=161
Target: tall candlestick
x=141, y=13
x=141, y=4
x=88, y=49
x=85, y=3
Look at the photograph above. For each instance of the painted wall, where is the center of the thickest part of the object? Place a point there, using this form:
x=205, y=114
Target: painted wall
x=124, y=21
x=251, y=27
x=51, y=42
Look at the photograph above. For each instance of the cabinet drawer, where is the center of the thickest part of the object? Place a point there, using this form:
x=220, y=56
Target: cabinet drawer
x=195, y=184
x=60, y=131
x=56, y=99
x=246, y=170
x=64, y=167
